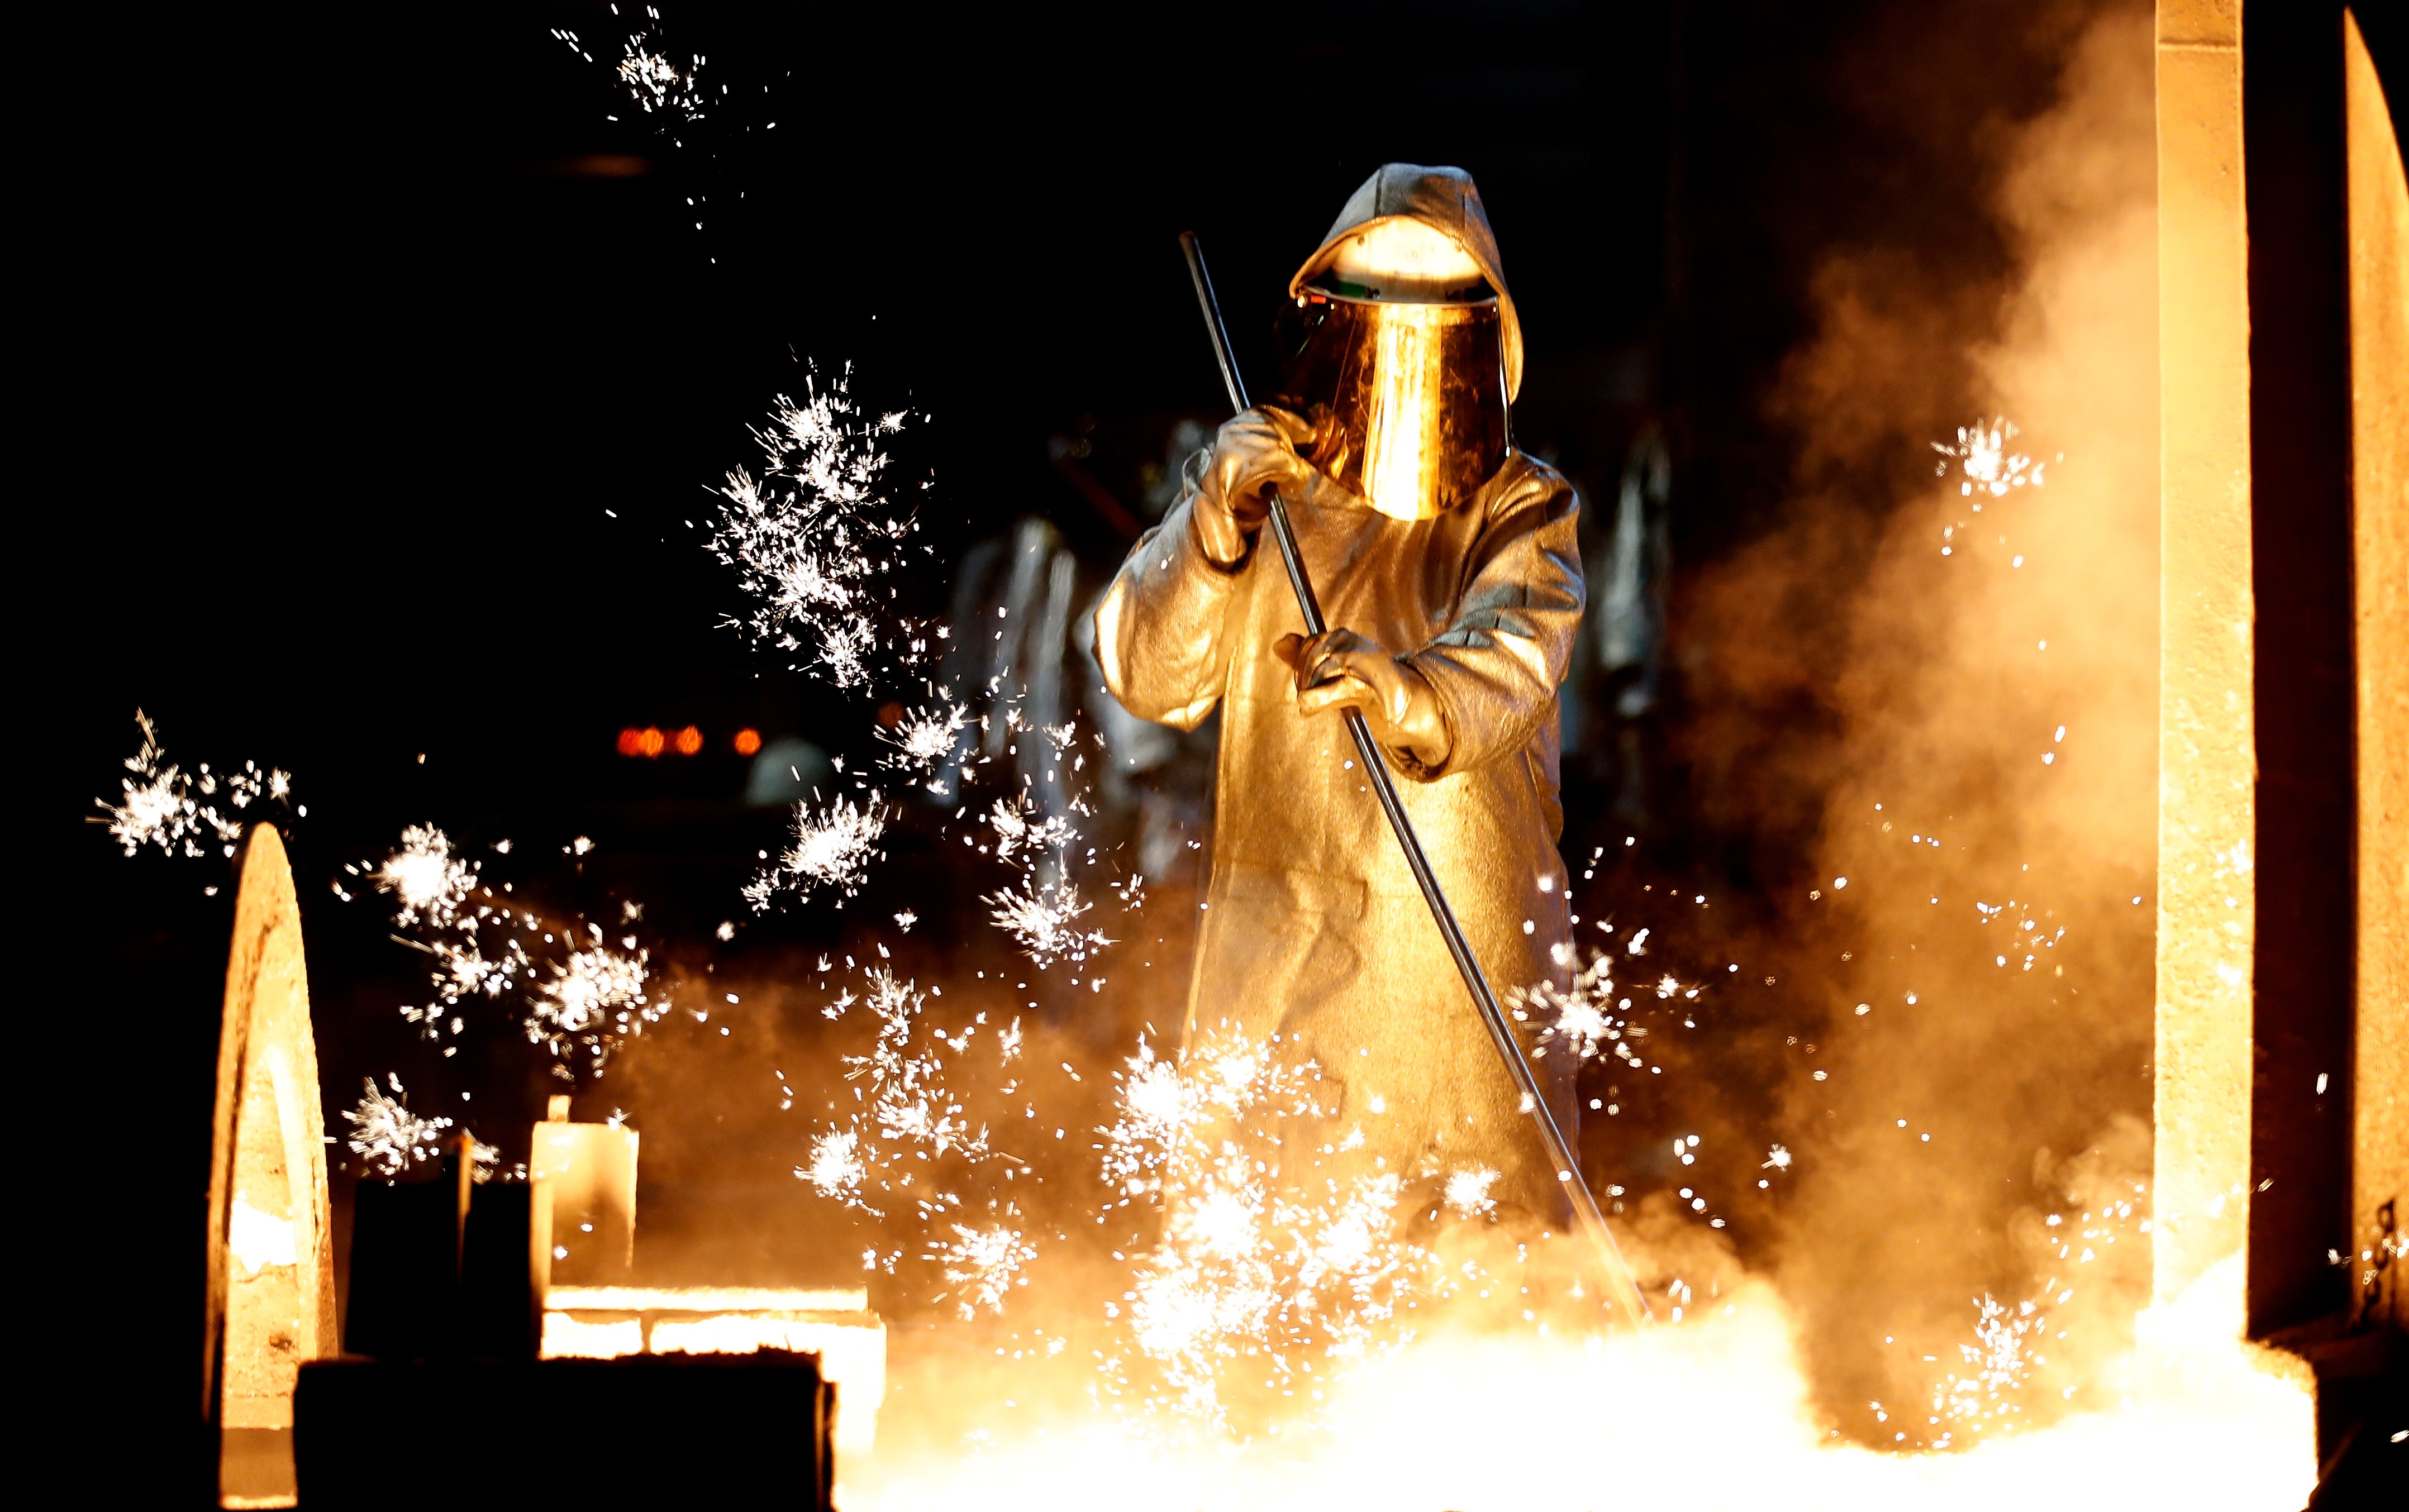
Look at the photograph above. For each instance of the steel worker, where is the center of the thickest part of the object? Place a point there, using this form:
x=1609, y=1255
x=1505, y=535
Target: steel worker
x=1447, y=567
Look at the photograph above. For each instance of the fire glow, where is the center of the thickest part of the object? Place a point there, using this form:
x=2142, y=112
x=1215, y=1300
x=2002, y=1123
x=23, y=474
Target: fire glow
x=1713, y=1413
x=1275, y=1324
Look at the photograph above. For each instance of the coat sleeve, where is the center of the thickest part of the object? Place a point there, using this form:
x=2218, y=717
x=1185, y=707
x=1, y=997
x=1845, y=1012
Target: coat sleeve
x=1160, y=632
x=1496, y=667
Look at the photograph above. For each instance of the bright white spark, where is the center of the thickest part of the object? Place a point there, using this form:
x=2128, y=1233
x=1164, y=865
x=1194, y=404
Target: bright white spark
x=908, y=1115
x=656, y=84
x=1251, y=1274
x=165, y=808
x=428, y=881
x=1467, y=1191
x=587, y=991
x=1581, y=1015
x=1989, y=466
x=593, y=999
x=832, y=848
x=1015, y=836
x=810, y=537
x=386, y=1134
x=1041, y=918
x=985, y=1263
x=924, y=737
x=837, y=1167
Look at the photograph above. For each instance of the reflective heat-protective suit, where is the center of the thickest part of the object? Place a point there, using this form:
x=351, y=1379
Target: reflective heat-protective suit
x=1314, y=927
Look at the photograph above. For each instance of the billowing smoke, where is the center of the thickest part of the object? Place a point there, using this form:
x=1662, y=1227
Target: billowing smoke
x=1944, y=666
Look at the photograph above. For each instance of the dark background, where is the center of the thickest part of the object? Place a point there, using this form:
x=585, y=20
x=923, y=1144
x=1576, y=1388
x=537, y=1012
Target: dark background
x=347, y=327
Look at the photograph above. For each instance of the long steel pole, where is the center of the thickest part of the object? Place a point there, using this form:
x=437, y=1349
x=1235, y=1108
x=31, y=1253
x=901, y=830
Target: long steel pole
x=1376, y=766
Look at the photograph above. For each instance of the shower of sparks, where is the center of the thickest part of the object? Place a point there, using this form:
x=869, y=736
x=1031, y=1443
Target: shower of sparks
x=1467, y=1191
x=832, y=848
x=1041, y=919
x=428, y=879
x=812, y=538
x=924, y=737
x=386, y=1134
x=592, y=989
x=1997, y=1365
x=1990, y=467
x=1041, y=913
x=1017, y=836
x=1580, y=1016
x=983, y=1265
x=1252, y=1273
x=659, y=87
x=466, y=971
x=180, y=813
x=656, y=84
x=1998, y=1376
x=907, y=1119
x=578, y=994
x=837, y=1167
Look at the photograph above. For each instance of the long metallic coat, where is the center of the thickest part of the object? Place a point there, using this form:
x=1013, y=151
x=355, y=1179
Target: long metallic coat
x=1313, y=925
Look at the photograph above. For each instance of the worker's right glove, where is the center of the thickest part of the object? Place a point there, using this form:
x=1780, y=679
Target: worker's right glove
x=1254, y=450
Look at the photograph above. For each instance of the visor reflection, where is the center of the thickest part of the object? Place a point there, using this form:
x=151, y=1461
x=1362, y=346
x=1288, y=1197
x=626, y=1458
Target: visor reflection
x=1408, y=400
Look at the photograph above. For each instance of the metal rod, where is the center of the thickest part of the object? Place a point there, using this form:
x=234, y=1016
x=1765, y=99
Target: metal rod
x=1560, y=1151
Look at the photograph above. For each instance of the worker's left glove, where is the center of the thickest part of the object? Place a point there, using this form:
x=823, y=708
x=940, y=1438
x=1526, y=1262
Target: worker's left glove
x=1341, y=669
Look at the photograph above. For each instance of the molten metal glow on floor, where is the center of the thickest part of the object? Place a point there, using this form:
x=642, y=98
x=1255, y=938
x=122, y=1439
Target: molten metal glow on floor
x=1711, y=1414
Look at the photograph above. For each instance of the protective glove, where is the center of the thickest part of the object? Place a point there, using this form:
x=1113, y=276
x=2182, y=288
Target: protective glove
x=1253, y=449
x=1341, y=669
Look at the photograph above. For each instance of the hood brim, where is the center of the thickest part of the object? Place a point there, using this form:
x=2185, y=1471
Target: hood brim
x=1445, y=200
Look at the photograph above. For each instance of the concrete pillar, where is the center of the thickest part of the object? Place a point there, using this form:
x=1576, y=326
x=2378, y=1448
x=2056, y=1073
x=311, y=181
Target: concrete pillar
x=2206, y=760
x=2379, y=368
x=2283, y=1002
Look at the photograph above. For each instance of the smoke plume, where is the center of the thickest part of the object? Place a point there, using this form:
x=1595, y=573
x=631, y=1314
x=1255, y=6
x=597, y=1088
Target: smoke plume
x=1954, y=686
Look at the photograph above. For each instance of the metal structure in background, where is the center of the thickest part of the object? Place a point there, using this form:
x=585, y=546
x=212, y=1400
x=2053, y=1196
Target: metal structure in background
x=1620, y=1283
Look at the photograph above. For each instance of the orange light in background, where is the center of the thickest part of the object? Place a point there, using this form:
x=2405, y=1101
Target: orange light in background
x=747, y=741
x=649, y=741
x=631, y=741
x=689, y=740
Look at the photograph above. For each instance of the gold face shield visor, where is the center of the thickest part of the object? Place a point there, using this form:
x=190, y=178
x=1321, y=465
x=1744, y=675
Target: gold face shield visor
x=1407, y=401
